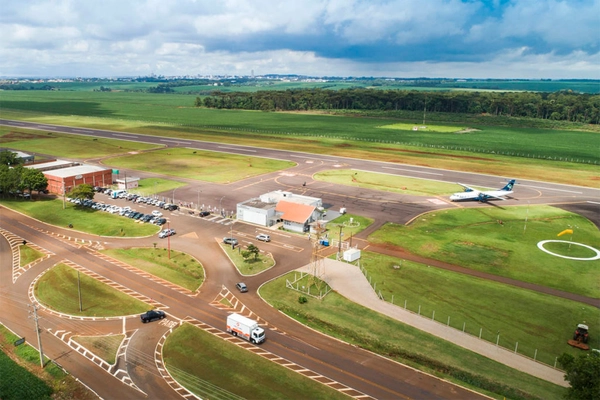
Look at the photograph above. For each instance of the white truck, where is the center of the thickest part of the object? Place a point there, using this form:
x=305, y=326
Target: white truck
x=246, y=328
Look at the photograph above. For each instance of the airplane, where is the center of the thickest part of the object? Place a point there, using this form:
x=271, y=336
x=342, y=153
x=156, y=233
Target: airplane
x=474, y=194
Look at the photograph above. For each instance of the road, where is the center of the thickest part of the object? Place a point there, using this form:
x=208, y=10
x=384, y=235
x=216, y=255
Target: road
x=137, y=369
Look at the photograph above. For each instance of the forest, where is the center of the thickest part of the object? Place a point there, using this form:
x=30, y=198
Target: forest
x=559, y=106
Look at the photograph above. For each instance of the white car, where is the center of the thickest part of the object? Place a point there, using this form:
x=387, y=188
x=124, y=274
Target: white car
x=263, y=237
x=157, y=213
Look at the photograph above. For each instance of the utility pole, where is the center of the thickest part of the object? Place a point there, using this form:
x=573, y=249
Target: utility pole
x=79, y=291
x=63, y=190
x=340, y=243
x=39, y=337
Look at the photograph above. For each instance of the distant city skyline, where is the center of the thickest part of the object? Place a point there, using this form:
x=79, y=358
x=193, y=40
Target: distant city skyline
x=496, y=39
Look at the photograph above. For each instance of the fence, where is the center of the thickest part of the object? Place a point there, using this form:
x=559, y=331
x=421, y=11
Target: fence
x=482, y=333
x=306, y=289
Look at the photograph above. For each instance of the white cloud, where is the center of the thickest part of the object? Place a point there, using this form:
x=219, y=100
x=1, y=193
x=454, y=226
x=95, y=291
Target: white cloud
x=448, y=38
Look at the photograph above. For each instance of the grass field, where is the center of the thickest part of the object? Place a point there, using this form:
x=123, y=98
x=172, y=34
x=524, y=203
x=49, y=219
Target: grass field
x=351, y=225
x=541, y=324
x=29, y=254
x=424, y=128
x=213, y=368
x=27, y=380
x=105, y=347
x=338, y=317
x=532, y=153
x=200, y=165
x=250, y=266
x=476, y=239
x=57, y=289
x=180, y=269
x=389, y=183
x=63, y=145
x=83, y=219
x=178, y=110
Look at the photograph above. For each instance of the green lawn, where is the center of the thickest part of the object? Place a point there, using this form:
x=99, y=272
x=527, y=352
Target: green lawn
x=338, y=317
x=201, y=165
x=181, y=269
x=249, y=266
x=63, y=145
x=29, y=254
x=83, y=219
x=213, y=368
x=27, y=380
x=560, y=155
x=388, y=183
x=57, y=289
x=351, y=225
x=105, y=347
x=476, y=239
x=536, y=321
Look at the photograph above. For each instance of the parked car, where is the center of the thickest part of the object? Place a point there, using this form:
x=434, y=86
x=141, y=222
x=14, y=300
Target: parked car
x=263, y=237
x=166, y=233
x=241, y=286
x=204, y=213
x=152, y=315
x=230, y=240
x=157, y=213
x=160, y=221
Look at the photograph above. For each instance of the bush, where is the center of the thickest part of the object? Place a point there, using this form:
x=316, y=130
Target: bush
x=302, y=299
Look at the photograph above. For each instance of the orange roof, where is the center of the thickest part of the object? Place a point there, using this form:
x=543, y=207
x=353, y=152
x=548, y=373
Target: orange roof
x=294, y=212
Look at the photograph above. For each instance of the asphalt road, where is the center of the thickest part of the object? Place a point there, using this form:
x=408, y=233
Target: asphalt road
x=357, y=369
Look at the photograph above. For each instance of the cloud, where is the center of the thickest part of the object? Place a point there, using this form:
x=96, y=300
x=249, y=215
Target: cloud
x=545, y=38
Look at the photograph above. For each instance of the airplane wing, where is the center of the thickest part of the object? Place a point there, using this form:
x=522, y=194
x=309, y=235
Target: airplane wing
x=468, y=188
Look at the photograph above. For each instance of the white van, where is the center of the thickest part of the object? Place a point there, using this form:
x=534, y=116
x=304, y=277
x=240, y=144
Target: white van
x=116, y=193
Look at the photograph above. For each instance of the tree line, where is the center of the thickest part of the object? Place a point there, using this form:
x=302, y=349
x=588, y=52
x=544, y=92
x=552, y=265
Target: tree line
x=15, y=179
x=558, y=106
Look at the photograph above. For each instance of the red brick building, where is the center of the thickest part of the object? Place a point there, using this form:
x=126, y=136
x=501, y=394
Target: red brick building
x=67, y=178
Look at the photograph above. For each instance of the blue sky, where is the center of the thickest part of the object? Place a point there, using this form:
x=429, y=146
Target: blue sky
x=394, y=38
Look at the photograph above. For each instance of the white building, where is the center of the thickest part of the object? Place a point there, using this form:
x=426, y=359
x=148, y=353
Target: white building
x=295, y=212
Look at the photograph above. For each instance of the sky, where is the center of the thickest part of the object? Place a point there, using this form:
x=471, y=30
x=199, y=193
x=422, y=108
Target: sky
x=504, y=39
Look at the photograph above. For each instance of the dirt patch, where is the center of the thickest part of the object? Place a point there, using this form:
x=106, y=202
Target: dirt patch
x=15, y=136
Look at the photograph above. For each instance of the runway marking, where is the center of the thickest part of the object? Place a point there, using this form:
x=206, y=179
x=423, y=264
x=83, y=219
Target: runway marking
x=410, y=170
x=237, y=149
x=547, y=188
x=592, y=202
x=126, y=136
x=313, y=158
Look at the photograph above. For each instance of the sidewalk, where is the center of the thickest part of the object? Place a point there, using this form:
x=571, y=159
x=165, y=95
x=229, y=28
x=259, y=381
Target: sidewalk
x=348, y=280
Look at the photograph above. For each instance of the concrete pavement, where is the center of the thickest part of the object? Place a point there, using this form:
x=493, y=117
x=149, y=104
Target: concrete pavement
x=348, y=280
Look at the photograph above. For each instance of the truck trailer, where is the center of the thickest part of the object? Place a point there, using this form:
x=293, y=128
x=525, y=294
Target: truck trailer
x=246, y=328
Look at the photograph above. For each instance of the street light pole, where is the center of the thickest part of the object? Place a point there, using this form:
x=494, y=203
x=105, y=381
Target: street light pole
x=198, y=202
x=220, y=207
x=174, y=195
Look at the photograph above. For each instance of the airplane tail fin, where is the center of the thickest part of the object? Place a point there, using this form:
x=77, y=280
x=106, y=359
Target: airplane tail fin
x=509, y=186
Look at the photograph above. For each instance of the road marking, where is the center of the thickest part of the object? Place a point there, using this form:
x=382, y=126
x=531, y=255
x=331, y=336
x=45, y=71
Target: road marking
x=126, y=136
x=175, y=141
x=593, y=202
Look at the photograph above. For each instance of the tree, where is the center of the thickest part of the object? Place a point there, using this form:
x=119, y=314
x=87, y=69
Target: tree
x=583, y=374
x=251, y=250
x=83, y=191
x=9, y=158
x=34, y=179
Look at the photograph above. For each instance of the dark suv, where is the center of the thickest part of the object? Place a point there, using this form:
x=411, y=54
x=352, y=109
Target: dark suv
x=152, y=315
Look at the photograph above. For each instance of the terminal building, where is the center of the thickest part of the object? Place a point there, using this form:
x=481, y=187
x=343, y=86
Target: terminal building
x=295, y=212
